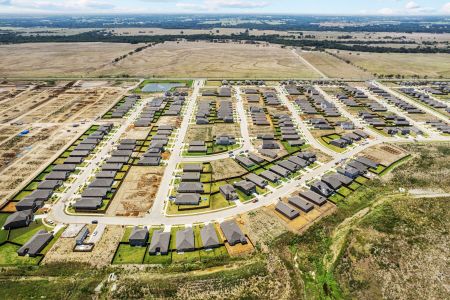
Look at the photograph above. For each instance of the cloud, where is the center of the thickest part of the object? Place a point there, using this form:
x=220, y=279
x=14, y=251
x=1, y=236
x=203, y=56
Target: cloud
x=446, y=8
x=214, y=5
x=61, y=6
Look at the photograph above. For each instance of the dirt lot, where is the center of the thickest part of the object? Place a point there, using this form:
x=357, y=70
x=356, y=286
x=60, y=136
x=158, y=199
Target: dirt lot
x=226, y=168
x=22, y=157
x=201, y=59
x=207, y=132
x=261, y=225
x=58, y=59
x=408, y=64
x=384, y=154
x=137, y=192
x=100, y=256
x=334, y=67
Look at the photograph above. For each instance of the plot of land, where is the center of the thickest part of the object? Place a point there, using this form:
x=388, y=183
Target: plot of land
x=58, y=59
x=211, y=60
x=408, y=64
x=137, y=192
x=334, y=67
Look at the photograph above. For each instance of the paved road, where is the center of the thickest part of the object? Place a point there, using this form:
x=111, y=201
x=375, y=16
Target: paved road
x=303, y=128
x=407, y=99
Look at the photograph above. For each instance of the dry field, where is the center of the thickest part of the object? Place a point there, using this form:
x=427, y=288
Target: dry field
x=100, y=256
x=137, y=192
x=262, y=226
x=22, y=157
x=408, y=64
x=201, y=59
x=334, y=67
x=385, y=154
x=226, y=168
x=58, y=59
x=208, y=132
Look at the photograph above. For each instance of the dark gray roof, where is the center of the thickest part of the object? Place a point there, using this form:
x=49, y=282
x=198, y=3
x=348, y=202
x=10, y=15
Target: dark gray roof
x=19, y=219
x=368, y=162
x=257, y=159
x=65, y=167
x=280, y=171
x=185, y=240
x=112, y=167
x=149, y=161
x=49, y=184
x=40, y=195
x=209, y=236
x=190, y=176
x=160, y=242
x=88, y=203
x=139, y=234
x=300, y=203
x=95, y=192
x=190, y=187
x=313, y=197
x=232, y=232
x=187, y=199
x=192, y=168
x=106, y=174
x=271, y=176
x=244, y=161
x=259, y=181
x=102, y=182
x=36, y=243
x=287, y=210
x=57, y=175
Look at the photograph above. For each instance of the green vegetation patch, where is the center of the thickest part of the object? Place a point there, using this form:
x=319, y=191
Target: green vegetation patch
x=9, y=256
x=127, y=254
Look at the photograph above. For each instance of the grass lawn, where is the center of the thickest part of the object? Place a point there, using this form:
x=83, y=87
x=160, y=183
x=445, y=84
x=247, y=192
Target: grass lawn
x=220, y=252
x=197, y=237
x=334, y=148
x=361, y=179
x=336, y=198
x=9, y=256
x=22, y=195
x=344, y=191
x=158, y=259
x=22, y=235
x=3, y=233
x=126, y=234
x=186, y=257
x=354, y=185
x=127, y=254
x=378, y=170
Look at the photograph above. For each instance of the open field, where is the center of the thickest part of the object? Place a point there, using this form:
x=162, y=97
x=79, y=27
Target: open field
x=58, y=59
x=407, y=64
x=334, y=67
x=211, y=60
x=137, y=192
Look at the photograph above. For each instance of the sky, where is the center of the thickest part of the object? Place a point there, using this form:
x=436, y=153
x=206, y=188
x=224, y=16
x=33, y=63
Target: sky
x=348, y=7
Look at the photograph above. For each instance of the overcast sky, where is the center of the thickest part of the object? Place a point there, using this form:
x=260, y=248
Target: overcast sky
x=348, y=7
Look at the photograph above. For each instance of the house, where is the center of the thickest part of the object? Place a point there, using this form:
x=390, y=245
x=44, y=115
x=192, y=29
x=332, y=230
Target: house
x=342, y=178
x=187, y=199
x=138, y=237
x=287, y=210
x=126, y=153
x=29, y=203
x=255, y=158
x=65, y=167
x=106, y=174
x=225, y=140
x=244, y=161
x=341, y=143
x=81, y=236
x=289, y=166
x=259, y=181
x=159, y=243
x=79, y=153
x=18, y=219
x=280, y=171
x=149, y=161
x=361, y=133
x=315, y=198
x=88, y=203
x=332, y=181
x=270, y=144
x=368, y=162
x=191, y=187
x=49, y=184
x=209, y=237
x=322, y=188
x=40, y=194
x=185, y=240
x=271, y=176
x=268, y=153
x=298, y=161
x=233, y=233
x=300, y=203
x=57, y=175
x=35, y=245
x=153, y=152
x=95, y=192
x=245, y=186
x=348, y=171
x=192, y=149
x=112, y=167
x=228, y=192
x=359, y=166
x=192, y=168
x=74, y=160
x=102, y=183
x=191, y=176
